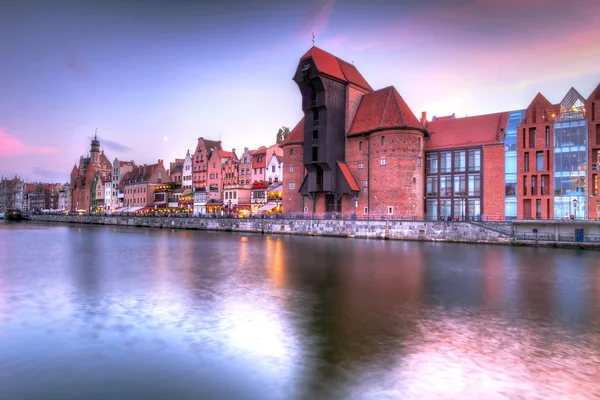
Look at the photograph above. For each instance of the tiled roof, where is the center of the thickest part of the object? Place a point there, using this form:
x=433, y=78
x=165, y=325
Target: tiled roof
x=212, y=144
x=328, y=64
x=124, y=163
x=468, y=131
x=140, y=173
x=296, y=136
x=382, y=109
x=348, y=176
x=226, y=154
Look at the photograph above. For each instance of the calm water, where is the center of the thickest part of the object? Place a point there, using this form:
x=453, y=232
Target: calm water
x=123, y=313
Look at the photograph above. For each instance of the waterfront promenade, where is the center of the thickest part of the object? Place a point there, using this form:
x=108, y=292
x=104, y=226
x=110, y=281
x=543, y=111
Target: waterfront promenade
x=521, y=233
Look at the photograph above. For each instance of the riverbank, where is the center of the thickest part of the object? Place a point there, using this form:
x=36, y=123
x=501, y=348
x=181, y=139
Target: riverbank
x=454, y=232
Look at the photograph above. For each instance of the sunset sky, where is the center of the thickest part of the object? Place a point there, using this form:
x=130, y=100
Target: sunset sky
x=155, y=75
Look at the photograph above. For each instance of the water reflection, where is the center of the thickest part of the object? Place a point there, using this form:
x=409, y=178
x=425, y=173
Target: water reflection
x=131, y=313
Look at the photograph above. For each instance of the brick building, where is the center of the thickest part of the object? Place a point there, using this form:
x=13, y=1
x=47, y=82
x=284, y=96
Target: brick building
x=139, y=184
x=84, y=178
x=11, y=193
x=352, y=133
x=204, y=148
x=359, y=149
x=245, y=168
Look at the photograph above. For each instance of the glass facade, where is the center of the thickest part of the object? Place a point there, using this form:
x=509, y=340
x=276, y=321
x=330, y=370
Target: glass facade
x=570, y=166
x=510, y=164
x=454, y=190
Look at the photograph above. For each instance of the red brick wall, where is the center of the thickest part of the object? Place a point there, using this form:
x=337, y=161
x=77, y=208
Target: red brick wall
x=398, y=184
x=493, y=181
x=540, y=145
x=292, y=200
x=593, y=114
x=353, y=98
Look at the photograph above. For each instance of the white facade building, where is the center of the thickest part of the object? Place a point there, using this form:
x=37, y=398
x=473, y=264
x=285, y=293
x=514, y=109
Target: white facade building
x=186, y=173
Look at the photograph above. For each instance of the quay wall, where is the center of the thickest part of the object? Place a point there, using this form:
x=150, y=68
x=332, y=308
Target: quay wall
x=398, y=230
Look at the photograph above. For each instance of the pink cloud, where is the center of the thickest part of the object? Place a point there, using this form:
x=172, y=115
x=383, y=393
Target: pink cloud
x=318, y=19
x=12, y=147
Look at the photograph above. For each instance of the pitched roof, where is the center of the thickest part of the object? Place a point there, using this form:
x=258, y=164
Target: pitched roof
x=124, y=163
x=382, y=109
x=226, y=154
x=212, y=144
x=571, y=99
x=260, y=150
x=595, y=95
x=348, y=176
x=468, y=131
x=75, y=170
x=328, y=64
x=541, y=101
x=296, y=136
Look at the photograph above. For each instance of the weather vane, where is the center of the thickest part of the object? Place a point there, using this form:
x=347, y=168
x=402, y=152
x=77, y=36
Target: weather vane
x=313, y=38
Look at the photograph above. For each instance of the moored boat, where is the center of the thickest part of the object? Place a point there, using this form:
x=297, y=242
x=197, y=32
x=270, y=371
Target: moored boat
x=13, y=215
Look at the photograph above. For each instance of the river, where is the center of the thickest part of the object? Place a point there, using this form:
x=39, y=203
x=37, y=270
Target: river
x=97, y=312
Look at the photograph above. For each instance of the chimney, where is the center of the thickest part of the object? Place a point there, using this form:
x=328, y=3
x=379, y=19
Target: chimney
x=160, y=162
x=423, y=117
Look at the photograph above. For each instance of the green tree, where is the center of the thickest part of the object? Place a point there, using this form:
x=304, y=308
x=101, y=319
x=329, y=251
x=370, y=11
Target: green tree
x=282, y=134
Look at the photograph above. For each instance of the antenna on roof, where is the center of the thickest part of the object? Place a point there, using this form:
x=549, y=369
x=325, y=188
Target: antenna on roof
x=313, y=38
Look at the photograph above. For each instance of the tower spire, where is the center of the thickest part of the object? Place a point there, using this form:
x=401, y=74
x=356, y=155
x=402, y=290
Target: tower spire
x=96, y=134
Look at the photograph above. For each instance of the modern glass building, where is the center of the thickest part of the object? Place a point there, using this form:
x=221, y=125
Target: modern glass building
x=510, y=164
x=570, y=158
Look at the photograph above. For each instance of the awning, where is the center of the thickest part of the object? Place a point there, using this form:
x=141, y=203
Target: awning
x=133, y=209
x=122, y=209
x=147, y=208
x=267, y=207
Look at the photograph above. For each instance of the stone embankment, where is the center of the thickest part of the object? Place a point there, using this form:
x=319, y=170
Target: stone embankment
x=398, y=230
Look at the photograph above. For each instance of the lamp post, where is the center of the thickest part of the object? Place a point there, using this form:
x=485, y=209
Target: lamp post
x=575, y=203
x=355, y=198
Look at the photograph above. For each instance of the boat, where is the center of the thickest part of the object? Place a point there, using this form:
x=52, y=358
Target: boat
x=1, y=215
x=14, y=215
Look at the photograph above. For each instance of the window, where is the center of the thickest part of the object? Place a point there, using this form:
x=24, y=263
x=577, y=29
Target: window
x=523, y=137
x=445, y=161
x=235, y=195
x=418, y=163
x=459, y=161
x=474, y=185
x=539, y=161
x=544, y=185
x=390, y=210
x=595, y=184
x=474, y=208
x=534, y=185
x=382, y=161
x=446, y=185
x=532, y=137
x=459, y=185
x=538, y=209
x=273, y=168
x=431, y=163
x=365, y=184
x=525, y=185
x=547, y=136
x=432, y=186
x=431, y=210
x=360, y=165
x=291, y=169
x=360, y=146
x=383, y=141
x=366, y=210
x=526, y=163
x=305, y=209
x=212, y=176
x=474, y=160
x=214, y=165
x=292, y=186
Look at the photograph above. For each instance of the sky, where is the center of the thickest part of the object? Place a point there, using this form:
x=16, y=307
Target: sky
x=152, y=76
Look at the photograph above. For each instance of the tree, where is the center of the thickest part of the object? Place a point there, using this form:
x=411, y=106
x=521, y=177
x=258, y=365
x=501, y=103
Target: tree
x=282, y=134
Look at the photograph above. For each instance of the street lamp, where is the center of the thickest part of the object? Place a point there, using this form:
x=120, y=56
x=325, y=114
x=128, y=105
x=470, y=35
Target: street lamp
x=355, y=198
x=575, y=203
